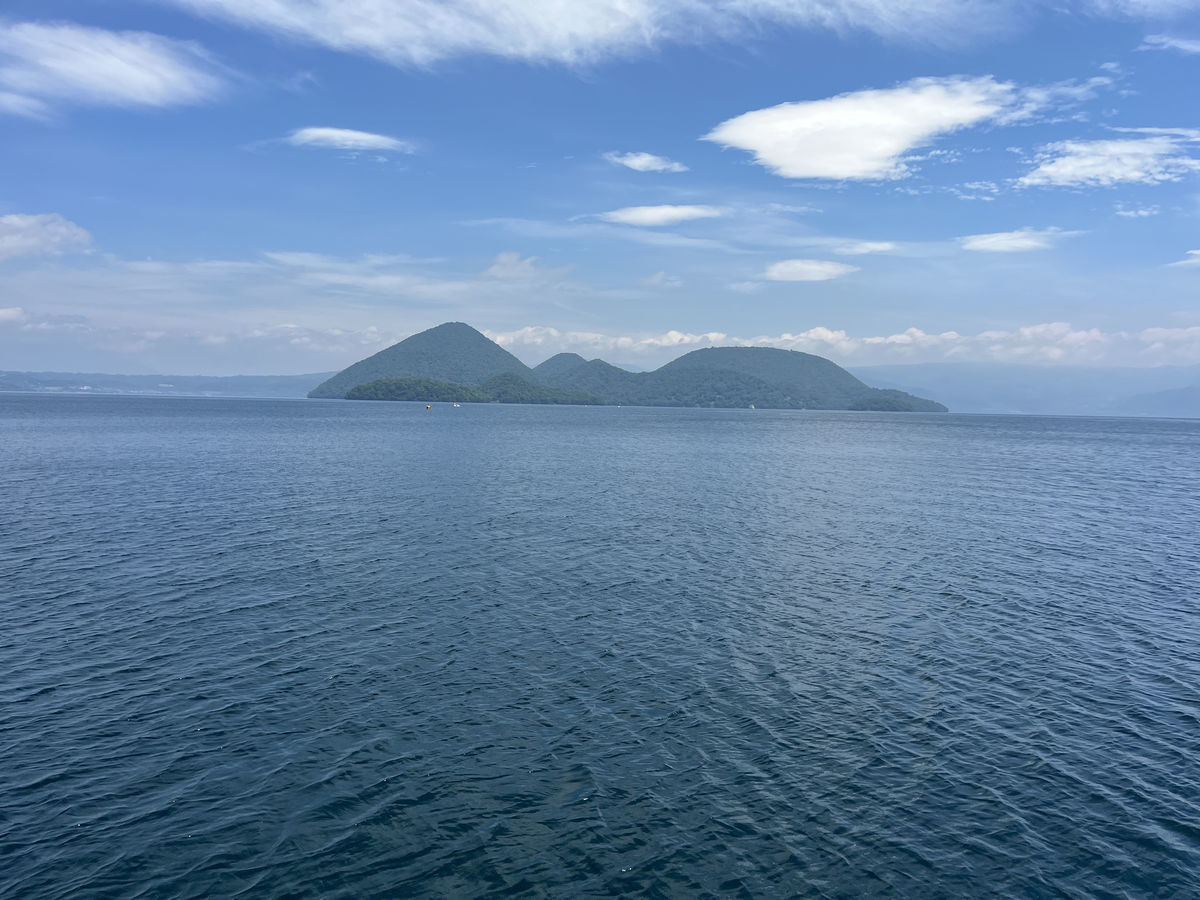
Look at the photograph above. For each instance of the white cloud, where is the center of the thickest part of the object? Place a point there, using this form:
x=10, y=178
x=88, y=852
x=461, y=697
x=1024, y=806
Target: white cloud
x=577, y=230
x=43, y=63
x=239, y=303
x=807, y=270
x=1141, y=9
x=1186, y=134
x=347, y=139
x=26, y=235
x=424, y=32
x=510, y=266
x=1136, y=212
x=1019, y=241
x=1046, y=343
x=1150, y=160
x=859, y=248
x=864, y=134
x=12, y=314
x=1167, y=42
x=645, y=162
x=659, y=215
x=871, y=134
x=20, y=105
x=1191, y=259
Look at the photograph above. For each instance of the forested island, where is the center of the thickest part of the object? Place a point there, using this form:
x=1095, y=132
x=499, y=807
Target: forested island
x=455, y=363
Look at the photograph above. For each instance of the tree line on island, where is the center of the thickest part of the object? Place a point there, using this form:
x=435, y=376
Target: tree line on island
x=455, y=363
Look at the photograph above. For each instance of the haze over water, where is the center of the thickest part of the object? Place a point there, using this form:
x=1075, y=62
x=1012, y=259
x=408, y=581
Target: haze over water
x=272, y=648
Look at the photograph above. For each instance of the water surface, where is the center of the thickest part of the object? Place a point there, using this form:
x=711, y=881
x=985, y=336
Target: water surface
x=334, y=649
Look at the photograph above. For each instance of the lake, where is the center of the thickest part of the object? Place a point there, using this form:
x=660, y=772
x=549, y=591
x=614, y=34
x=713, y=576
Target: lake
x=333, y=649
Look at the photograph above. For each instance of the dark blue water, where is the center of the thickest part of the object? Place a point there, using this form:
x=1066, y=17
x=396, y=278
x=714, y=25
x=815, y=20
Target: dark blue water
x=306, y=649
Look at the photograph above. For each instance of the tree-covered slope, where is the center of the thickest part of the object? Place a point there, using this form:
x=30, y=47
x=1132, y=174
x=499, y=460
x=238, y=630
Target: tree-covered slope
x=507, y=387
x=599, y=378
x=558, y=364
x=425, y=390
x=812, y=381
x=738, y=376
x=805, y=380
x=451, y=352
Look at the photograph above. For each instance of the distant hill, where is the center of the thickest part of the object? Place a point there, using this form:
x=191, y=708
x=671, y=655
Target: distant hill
x=265, y=386
x=451, y=352
x=453, y=360
x=599, y=378
x=739, y=376
x=1183, y=402
x=557, y=364
x=808, y=381
x=1047, y=389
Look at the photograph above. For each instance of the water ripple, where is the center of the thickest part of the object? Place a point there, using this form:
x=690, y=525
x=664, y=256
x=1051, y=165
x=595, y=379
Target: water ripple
x=261, y=648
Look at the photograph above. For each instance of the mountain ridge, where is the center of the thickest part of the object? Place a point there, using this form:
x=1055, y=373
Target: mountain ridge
x=454, y=355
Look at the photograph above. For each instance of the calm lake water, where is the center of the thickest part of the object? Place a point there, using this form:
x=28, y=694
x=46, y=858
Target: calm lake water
x=333, y=649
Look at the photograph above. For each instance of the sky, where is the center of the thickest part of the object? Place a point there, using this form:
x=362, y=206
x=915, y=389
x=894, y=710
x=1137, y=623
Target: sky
x=287, y=186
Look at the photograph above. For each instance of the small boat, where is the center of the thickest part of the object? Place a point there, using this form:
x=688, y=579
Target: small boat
x=457, y=405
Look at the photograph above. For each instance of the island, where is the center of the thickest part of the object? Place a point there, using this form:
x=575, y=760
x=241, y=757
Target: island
x=455, y=363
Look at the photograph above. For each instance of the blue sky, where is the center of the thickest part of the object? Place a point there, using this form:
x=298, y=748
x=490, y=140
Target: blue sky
x=279, y=186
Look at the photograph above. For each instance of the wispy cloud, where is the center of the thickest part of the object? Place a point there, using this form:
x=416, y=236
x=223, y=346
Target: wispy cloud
x=645, y=162
x=860, y=248
x=1191, y=259
x=807, y=270
x=582, y=230
x=1020, y=241
x=39, y=235
x=347, y=139
x=421, y=33
x=416, y=32
x=511, y=266
x=1169, y=42
x=659, y=215
x=44, y=64
x=20, y=105
x=1104, y=163
x=1136, y=212
x=661, y=279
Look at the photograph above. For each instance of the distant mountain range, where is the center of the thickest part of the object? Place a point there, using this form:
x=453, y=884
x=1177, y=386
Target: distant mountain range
x=1169, y=391
x=163, y=385
x=455, y=362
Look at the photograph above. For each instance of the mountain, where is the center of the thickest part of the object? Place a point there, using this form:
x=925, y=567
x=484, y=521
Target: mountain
x=811, y=382
x=718, y=376
x=739, y=376
x=451, y=352
x=456, y=362
x=1046, y=389
x=597, y=377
